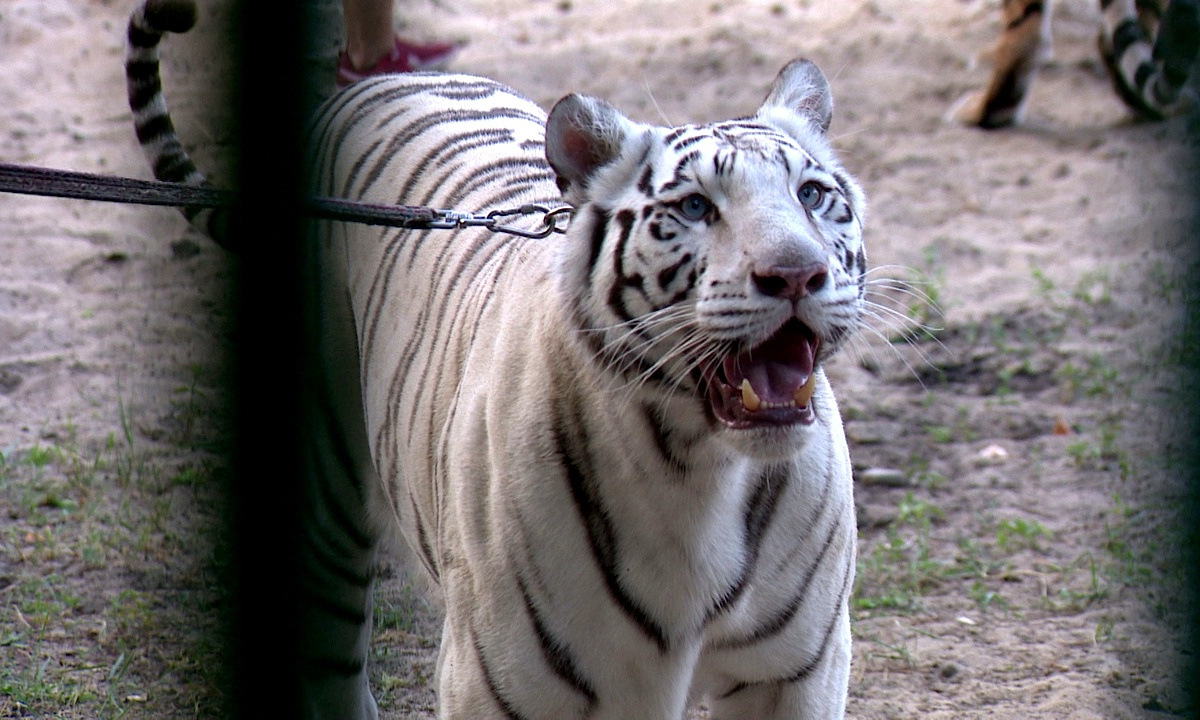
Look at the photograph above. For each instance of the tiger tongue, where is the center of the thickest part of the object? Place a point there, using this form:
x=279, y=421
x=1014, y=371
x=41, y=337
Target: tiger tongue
x=776, y=372
x=800, y=398
x=772, y=383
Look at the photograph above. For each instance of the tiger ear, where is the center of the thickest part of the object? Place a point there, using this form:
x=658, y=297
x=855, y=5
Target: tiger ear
x=583, y=134
x=801, y=88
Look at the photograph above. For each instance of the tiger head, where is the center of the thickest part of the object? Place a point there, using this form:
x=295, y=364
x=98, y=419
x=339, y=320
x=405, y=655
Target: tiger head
x=724, y=261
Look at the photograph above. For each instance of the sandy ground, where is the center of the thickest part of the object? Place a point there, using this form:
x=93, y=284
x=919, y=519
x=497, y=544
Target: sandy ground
x=1019, y=476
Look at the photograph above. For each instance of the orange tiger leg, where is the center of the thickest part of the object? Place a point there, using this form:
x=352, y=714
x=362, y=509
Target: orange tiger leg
x=1018, y=54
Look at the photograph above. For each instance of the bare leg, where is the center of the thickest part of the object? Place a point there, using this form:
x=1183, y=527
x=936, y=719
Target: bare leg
x=372, y=47
x=370, y=33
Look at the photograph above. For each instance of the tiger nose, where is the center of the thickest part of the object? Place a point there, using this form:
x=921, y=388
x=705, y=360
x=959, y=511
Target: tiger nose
x=791, y=282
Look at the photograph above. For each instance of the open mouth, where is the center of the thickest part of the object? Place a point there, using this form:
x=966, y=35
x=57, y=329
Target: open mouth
x=768, y=385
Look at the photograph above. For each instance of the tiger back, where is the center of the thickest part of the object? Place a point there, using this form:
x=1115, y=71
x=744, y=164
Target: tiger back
x=614, y=452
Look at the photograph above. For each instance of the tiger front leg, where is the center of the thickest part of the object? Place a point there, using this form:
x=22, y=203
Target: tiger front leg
x=489, y=668
x=490, y=673
x=334, y=658
x=463, y=685
x=820, y=694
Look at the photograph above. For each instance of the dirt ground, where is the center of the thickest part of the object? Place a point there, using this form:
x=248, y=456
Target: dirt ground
x=1021, y=462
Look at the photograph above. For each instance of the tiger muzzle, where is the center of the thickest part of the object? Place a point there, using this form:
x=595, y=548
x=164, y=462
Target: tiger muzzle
x=769, y=385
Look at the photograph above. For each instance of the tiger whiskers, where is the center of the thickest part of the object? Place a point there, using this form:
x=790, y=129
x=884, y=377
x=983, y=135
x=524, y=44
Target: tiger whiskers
x=861, y=346
x=885, y=321
x=920, y=308
x=654, y=100
x=690, y=350
x=664, y=337
x=650, y=329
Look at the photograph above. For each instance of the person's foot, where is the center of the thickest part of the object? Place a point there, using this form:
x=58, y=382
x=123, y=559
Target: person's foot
x=405, y=57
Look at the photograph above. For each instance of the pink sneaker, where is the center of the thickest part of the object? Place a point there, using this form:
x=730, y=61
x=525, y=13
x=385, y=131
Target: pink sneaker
x=405, y=57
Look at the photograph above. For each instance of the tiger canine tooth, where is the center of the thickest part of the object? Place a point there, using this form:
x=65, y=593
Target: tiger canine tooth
x=749, y=398
x=804, y=393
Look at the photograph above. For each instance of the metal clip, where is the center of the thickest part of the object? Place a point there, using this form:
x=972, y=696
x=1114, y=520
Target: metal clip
x=550, y=220
x=551, y=217
x=453, y=220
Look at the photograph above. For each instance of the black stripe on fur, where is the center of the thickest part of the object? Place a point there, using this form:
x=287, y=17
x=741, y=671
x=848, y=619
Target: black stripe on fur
x=333, y=609
x=176, y=16
x=625, y=219
x=760, y=508
x=805, y=670
x=657, y=424
x=600, y=533
x=1031, y=11
x=555, y=652
x=489, y=679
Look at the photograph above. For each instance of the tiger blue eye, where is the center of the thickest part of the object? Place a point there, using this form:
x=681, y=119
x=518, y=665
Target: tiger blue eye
x=811, y=195
x=695, y=207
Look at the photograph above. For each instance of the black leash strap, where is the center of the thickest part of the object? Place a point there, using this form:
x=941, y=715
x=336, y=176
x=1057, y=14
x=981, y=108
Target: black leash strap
x=401, y=216
x=29, y=180
x=85, y=186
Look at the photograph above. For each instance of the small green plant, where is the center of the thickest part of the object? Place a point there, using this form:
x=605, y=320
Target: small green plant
x=894, y=651
x=399, y=612
x=39, y=456
x=186, y=403
x=1130, y=564
x=1102, y=449
x=116, y=674
x=918, y=512
x=960, y=431
x=1045, y=286
x=29, y=676
x=899, y=570
x=1094, y=288
x=984, y=596
x=1068, y=597
x=974, y=559
x=941, y=434
x=929, y=479
x=1083, y=453
x=1016, y=533
x=905, y=565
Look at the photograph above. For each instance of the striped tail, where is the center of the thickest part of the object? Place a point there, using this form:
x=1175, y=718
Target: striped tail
x=1149, y=75
x=148, y=23
x=1149, y=55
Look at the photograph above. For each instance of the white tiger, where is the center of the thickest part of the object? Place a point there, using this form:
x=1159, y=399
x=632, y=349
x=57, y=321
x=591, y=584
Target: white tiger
x=615, y=451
